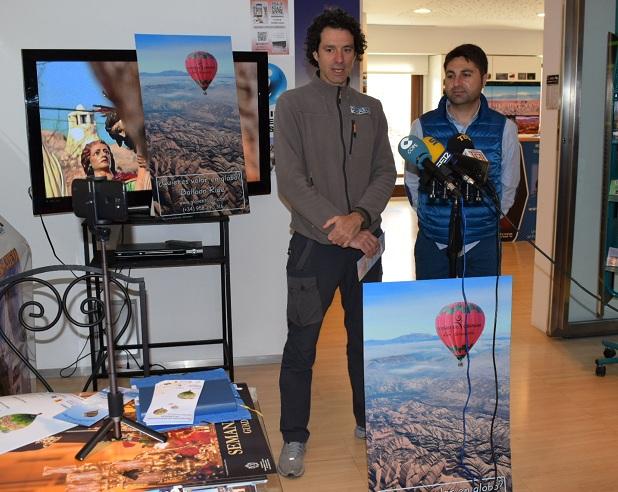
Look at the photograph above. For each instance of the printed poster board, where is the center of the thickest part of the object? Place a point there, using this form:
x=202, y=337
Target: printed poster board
x=429, y=428
x=192, y=124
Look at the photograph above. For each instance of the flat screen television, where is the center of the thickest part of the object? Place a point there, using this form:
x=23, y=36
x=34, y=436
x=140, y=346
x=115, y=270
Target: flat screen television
x=67, y=107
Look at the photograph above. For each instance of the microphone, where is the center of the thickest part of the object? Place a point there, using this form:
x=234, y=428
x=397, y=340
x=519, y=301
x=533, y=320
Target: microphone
x=468, y=160
x=463, y=144
x=442, y=157
x=459, y=143
x=413, y=150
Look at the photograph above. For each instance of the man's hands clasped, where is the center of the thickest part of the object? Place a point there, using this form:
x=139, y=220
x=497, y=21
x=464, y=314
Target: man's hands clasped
x=346, y=232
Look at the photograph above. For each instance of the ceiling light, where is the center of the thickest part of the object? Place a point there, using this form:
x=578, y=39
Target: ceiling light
x=541, y=14
x=422, y=11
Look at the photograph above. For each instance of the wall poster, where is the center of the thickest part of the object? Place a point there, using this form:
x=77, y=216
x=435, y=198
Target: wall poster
x=271, y=31
x=430, y=386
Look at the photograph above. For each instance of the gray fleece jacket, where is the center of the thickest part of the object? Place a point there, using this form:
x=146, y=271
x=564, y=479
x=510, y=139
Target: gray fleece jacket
x=332, y=156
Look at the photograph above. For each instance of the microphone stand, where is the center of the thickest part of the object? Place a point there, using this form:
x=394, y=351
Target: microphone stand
x=114, y=397
x=455, y=241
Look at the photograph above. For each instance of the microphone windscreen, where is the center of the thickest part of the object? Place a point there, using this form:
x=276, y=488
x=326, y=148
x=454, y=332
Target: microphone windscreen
x=435, y=148
x=459, y=142
x=413, y=150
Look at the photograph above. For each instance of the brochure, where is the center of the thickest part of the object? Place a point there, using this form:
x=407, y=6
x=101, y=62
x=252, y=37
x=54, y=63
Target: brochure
x=365, y=263
x=88, y=411
x=30, y=417
x=173, y=402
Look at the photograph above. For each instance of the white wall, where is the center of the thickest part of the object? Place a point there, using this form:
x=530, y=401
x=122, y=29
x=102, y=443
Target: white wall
x=548, y=158
x=423, y=40
x=183, y=301
x=416, y=64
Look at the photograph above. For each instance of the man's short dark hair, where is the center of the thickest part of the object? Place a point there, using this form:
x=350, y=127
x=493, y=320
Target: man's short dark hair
x=337, y=19
x=471, y=53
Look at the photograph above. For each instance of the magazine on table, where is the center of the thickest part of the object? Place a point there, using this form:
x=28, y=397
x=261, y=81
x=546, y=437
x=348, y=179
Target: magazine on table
x=234, y=452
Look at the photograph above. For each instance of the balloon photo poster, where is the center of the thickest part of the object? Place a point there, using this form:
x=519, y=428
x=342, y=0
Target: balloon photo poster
x=433, y=424
x=192, y=124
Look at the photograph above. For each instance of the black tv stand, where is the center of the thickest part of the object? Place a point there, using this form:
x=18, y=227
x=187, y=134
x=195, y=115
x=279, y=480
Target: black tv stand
x=215, y=254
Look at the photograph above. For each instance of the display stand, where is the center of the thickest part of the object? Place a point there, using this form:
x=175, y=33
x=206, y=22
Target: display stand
x=217, y=254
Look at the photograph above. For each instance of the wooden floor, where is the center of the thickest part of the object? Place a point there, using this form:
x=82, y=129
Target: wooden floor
x=563, y=418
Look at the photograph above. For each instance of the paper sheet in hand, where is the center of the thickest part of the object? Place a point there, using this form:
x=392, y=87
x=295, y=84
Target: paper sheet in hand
x=365, y=263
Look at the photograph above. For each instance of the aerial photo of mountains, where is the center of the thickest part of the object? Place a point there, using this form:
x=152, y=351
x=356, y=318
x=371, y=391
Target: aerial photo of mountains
x=192, y=134
x=416, y=391
x=192, y=123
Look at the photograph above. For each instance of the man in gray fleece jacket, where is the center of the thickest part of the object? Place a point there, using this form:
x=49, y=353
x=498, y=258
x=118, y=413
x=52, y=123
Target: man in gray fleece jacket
x=335, y=171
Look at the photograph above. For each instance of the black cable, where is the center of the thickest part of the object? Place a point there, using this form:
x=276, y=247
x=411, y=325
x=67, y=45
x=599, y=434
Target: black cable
x=493, y=342
x=75, y=363
x=141, y=367
x=464, y=470
x=497, y=208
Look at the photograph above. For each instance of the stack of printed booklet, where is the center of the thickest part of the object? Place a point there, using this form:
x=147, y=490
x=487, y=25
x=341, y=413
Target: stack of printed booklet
x=170, y=402
x=215, y=440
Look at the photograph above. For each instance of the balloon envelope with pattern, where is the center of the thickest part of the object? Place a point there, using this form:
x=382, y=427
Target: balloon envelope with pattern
x=459, y=325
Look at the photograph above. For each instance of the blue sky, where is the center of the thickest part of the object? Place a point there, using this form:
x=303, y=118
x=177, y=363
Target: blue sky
x=392, y=309
x=65, y=84
x=159, y=52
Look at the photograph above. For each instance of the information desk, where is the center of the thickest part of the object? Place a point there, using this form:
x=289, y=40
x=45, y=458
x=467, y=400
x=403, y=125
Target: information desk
x=198, y=456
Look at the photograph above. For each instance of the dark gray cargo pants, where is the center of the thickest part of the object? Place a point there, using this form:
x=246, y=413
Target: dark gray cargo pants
x=314, y=272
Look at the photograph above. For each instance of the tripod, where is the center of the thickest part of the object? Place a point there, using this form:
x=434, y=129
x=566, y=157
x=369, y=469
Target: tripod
x=98, y=218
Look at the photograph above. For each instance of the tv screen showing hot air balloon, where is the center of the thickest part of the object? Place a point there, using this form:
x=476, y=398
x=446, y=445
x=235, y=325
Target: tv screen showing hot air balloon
x=79, y=97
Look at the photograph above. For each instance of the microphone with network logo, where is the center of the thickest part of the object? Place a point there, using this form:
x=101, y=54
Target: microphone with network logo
x=468, y=161
x=415, y=151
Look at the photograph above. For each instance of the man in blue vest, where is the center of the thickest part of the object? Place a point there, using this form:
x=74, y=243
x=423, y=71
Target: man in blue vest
x=463, y=109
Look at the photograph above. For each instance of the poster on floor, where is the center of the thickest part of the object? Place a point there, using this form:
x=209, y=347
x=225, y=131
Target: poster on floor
x=432, y=420
x=192, y=124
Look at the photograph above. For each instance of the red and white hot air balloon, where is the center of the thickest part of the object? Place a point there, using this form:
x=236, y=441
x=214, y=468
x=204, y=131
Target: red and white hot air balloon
x=202, y=68
x=459, y=325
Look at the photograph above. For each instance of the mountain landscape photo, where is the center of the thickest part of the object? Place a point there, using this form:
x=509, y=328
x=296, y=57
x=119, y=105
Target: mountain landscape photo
x=416, y=390
x=192, y=123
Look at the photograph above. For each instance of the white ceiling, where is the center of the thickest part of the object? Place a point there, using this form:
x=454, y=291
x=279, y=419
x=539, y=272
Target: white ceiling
x=482, y=14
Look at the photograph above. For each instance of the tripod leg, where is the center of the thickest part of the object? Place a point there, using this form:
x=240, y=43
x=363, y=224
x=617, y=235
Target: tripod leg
x=143, y=429
x=94, y=440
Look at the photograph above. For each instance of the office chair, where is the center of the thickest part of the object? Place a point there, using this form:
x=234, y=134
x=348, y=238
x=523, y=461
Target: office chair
x=609, y=357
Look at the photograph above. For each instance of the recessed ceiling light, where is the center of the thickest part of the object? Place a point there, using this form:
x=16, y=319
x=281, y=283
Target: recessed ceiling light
x=541, y=14
x=422, y=11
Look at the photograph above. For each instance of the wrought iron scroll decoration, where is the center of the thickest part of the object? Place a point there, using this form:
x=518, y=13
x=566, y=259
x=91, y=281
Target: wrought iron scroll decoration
x=91, y=306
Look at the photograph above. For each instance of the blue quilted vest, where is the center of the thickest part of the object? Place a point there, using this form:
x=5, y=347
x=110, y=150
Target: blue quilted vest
x=486, y=133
